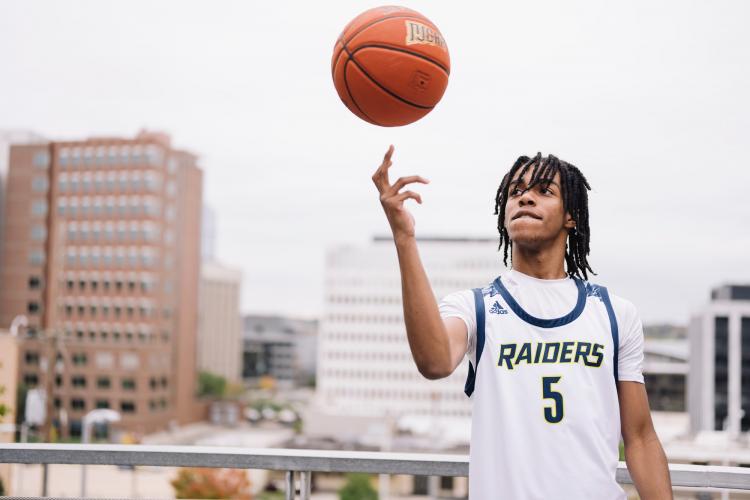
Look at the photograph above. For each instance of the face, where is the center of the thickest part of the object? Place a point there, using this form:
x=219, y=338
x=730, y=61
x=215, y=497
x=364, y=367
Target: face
x=536, y=217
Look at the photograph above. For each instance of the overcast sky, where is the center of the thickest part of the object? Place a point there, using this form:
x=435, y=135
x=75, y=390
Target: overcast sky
x=650, y=99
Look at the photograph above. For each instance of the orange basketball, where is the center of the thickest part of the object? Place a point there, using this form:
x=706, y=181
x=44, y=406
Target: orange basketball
x=390, y=66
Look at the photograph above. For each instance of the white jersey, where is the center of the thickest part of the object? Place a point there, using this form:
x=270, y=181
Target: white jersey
x=542, y=371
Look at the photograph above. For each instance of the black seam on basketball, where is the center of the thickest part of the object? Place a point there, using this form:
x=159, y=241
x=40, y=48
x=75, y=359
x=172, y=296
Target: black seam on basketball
x=389, y=92
x=381, y=19
x=405, y=51
x=351, y=96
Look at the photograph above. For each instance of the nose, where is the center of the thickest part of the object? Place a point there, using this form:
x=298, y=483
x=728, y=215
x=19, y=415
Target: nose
x=527, y=198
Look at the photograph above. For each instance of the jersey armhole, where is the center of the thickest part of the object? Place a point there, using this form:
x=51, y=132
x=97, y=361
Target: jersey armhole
x=479, y=347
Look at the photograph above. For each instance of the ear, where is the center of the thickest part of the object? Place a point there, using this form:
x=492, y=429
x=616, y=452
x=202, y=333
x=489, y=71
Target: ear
x=569, y=222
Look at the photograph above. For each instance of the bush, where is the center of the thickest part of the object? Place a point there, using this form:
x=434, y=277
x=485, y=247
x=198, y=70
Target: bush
x=358, y=487
x=211, y=385
x=212, y=483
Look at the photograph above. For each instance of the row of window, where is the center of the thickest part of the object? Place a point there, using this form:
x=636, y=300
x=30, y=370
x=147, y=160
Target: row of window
x=393, y=394
x=118, y=286
x=368, y=356
x=133, y=232
x=363, y=299
x=136, y=206
x=79, y=404
x=99, y=156
x=117, y=336
x=125, y=181
x=366, y=337
x=395, y=319
x=143, y=312
x=81, y=382
x=133, y=257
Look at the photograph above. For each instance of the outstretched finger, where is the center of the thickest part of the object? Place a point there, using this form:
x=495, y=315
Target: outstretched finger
x=409, y=194
x=403, y=181
x=380, y=177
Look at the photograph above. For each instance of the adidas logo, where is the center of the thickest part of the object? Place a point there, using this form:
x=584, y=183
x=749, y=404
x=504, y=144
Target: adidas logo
x=498, y=309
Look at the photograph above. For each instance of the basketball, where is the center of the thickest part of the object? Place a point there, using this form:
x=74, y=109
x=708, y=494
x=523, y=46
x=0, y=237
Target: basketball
x=390, y=66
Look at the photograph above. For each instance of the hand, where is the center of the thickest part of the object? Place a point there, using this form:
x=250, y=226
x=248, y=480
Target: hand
x=400, y=219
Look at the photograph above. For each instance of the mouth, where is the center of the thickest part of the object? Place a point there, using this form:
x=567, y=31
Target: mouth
x=525, y=214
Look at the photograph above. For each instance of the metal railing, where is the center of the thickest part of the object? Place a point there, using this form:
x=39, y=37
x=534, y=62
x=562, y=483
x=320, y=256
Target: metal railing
x=305, y=462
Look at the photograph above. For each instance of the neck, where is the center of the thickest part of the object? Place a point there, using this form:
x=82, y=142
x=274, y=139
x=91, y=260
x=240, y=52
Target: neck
x=546, y=262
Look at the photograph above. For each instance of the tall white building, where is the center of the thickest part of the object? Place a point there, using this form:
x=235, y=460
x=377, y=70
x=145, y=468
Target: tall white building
x=719, y=377
x=365, y=366
x=219, y=322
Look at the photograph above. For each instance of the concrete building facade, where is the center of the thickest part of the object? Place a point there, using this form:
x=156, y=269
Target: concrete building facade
x=365, y=366
x=220, y=330
x=278, y=347
x=719, y=381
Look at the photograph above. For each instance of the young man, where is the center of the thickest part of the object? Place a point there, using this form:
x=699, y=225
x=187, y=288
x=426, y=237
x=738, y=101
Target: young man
x=554, y=361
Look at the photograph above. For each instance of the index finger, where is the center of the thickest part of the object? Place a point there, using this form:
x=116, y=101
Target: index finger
x=380, y=178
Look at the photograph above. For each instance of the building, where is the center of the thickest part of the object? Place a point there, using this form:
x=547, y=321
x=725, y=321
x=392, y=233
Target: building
x=8, y=137
x=278, y=347
x=719, y=382
x=102, y=252
x=220, y=327
x=665, y=371
x=365, y=366
x=8, y=388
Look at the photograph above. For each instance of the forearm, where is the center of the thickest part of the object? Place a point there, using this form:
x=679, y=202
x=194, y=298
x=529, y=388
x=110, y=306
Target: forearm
x=648, y=467
x=425, y=330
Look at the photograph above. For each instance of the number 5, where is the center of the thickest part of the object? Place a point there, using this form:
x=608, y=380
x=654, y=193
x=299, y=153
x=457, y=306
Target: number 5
x=550, y=415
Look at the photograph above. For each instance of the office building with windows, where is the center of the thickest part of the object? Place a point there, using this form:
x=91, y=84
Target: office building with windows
x=719, y=377
x=365, y=366
x=101, y=253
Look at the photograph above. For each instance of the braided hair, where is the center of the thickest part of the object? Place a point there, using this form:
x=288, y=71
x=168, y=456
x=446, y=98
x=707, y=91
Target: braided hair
x=574, y=188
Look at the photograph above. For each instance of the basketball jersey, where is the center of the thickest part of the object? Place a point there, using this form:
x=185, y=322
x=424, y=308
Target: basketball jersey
x=545, y=412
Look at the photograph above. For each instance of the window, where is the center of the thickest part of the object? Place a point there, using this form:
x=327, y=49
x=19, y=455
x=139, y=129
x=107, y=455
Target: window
x=102, y=403
x=62, y=204
x=41, y=159
x=128, y=384
x=38, y=232
x=40, y=184
x=64, y=155
x=103, y=383
x=30, y=379
x=78, y=381
x=77, y=404
x=79, y=358
x=33, y=307
x=35, y=283
x=31, y=358
x=127, y=406
x=39, y=208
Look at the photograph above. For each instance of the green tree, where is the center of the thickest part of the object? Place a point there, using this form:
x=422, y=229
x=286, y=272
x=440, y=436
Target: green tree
x=358, y=487
x=210, y=384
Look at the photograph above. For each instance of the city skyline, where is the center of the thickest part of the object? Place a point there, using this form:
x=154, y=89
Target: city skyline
x=648, y=100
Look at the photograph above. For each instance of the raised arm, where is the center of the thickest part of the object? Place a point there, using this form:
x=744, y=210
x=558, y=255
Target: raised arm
x=437, y=345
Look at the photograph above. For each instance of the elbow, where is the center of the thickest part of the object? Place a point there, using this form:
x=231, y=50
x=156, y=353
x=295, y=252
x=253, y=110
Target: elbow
x=434, y=372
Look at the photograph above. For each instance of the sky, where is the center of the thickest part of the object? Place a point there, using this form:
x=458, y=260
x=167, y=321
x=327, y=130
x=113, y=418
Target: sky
x=649, y=99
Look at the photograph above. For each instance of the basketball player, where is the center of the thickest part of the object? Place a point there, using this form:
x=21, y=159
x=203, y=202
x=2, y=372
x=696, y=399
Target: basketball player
x=554, y=360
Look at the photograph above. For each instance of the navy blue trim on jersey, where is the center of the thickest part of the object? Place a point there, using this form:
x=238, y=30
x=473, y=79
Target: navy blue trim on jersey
x=615, y=330
x=544, y=323
x=479, y=307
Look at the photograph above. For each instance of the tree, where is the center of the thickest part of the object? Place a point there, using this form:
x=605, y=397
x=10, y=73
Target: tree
x=358, y=487
x=212, y=483
x=210, y=384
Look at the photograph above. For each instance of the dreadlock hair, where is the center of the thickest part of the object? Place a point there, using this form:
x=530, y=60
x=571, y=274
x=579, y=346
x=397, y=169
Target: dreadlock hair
x=574, y=188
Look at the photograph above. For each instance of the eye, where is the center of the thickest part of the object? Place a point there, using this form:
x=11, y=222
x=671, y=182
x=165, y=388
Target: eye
x=515, y=191
x=545, y=190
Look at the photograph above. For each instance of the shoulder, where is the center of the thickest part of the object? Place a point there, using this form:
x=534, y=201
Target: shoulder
x=625, y=311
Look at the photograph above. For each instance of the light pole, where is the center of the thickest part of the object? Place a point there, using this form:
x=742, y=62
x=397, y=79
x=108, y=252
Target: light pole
x=94, y=416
